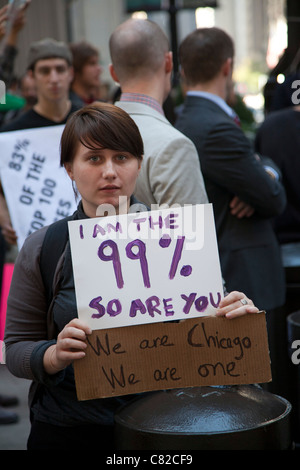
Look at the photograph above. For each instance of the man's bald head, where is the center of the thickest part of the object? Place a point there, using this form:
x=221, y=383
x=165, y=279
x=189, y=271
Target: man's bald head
x=137, y=48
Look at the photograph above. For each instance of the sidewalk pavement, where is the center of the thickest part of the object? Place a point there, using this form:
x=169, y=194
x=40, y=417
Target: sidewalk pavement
x=14, y=436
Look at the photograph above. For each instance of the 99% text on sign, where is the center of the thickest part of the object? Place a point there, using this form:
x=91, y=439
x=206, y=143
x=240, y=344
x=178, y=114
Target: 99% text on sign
x=125, y=274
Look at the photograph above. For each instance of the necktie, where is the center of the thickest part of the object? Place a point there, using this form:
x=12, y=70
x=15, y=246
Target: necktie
x=237, y=120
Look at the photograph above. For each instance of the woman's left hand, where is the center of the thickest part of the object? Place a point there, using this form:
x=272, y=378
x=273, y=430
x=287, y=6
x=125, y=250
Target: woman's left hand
x=235, y=305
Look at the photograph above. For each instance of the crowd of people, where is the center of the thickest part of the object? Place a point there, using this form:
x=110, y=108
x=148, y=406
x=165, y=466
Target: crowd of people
x=129, y=148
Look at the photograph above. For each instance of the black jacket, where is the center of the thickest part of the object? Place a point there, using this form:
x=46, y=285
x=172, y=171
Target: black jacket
x=249, y=252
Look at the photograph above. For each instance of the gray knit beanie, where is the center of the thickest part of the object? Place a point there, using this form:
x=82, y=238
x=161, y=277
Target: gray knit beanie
x=48, y=48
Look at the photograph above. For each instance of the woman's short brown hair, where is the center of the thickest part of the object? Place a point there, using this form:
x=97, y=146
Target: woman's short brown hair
x=100, y=125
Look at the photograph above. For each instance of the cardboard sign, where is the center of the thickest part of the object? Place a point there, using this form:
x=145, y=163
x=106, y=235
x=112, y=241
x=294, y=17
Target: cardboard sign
x=195, y=352
x=146, y=267
x=37, y=190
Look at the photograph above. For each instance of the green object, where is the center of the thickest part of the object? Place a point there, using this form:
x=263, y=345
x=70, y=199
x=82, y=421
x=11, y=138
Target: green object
x=193, y=4
x=11, y=102
x=156, y=5
x=143, y=5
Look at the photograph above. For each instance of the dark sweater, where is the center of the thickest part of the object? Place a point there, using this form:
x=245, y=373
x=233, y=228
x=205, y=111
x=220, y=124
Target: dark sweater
x=31, y=119
x=279, y=138
x=30, y=330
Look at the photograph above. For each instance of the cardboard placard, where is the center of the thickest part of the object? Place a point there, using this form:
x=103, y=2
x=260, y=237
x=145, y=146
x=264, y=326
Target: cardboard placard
x=146, y=267
x=37, y=190
x=195, y=352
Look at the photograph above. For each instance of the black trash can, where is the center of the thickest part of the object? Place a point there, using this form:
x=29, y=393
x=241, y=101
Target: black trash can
x=293, y=332
x=205, y=418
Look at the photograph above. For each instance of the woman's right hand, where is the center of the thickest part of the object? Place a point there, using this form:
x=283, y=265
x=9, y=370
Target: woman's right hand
x=9, y=233
x=70, y=346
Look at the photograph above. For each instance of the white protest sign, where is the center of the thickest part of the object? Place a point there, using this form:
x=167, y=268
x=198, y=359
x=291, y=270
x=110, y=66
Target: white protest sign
x=146, y=267
x=37, y=190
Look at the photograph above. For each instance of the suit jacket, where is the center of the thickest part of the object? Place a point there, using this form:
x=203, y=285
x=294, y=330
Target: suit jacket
x=249, y=252
x=170, y=172
x=279, y=138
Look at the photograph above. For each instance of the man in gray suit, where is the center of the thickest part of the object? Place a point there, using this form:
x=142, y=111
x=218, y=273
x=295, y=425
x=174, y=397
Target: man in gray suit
x=142, y=64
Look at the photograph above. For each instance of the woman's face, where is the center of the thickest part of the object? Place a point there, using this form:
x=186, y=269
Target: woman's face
x=102, y=176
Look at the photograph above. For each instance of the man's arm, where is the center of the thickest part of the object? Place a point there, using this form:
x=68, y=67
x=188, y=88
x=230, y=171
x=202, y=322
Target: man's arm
x=8, y=232
x=175, y=175
x=229, y=161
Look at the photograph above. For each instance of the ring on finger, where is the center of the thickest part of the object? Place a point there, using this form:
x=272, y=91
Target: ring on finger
x=244, y=301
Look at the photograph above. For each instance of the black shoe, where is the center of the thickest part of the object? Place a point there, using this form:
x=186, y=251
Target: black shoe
x=7, y=400
x=8, y=417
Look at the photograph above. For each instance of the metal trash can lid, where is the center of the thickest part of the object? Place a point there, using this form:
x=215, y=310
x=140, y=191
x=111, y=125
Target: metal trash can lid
x=294, y=318
x=203, y=410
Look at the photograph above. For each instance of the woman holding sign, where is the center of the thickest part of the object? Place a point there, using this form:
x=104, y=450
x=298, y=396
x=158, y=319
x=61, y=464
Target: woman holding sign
x=101, y=149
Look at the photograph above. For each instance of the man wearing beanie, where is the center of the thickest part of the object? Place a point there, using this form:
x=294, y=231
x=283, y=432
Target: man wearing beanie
x=50, y=64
